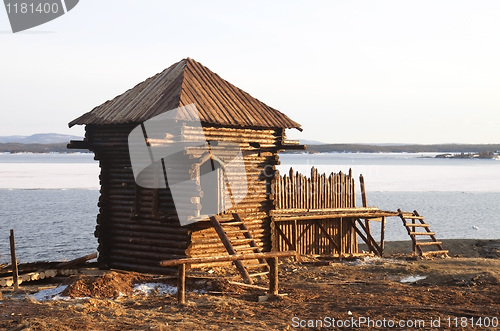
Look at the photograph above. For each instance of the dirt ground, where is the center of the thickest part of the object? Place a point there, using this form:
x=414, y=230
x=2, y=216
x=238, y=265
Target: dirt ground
x=461, y=291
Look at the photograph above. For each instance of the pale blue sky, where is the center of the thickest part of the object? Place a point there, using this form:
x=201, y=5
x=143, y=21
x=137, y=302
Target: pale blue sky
x=348, y=71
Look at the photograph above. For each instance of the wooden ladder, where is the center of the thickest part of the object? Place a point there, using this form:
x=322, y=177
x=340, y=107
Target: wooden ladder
x=241, y=242
x=409, y=222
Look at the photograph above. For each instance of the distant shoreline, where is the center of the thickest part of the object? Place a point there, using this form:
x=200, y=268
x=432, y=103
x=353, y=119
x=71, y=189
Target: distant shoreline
x=415, y=148
x=16, y=148
x=451, y=150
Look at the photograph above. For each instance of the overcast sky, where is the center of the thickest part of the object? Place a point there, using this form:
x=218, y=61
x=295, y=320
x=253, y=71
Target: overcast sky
x=348, y=71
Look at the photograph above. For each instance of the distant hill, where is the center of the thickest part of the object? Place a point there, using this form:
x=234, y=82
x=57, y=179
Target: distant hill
x=38, y=143
x=39, y=138
x=310, y=142
x=37, y=148
x=380, y=148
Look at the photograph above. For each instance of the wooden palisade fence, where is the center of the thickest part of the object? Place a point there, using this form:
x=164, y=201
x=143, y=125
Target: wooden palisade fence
x=297, y=191
x=298, y=198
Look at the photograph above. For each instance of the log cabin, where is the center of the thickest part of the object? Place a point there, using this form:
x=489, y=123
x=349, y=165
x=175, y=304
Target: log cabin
x=138, y=226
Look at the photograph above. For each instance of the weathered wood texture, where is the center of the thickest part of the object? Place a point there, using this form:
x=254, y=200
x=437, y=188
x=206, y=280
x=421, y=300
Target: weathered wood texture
x=315, y=192
x=138, y=227
x=296, y=227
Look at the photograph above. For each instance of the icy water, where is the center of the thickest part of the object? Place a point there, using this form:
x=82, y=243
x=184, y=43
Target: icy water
x=50, y=200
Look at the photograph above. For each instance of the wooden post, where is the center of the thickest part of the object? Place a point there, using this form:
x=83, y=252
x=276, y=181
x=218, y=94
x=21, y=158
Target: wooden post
x=382, y=235
x=181, y=284
x=365, y=203
x=341, y=241
x=363, y=191
x=294, y=235
x=273, y=275
x=14, y=260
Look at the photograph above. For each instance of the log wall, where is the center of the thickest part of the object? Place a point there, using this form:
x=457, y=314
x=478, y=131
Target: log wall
x=138, y=227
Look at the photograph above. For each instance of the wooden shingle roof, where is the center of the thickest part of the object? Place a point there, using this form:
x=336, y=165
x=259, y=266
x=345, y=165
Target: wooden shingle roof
x=186, y=82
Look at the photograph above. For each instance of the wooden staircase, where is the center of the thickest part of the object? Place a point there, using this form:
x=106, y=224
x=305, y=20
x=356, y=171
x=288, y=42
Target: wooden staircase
x=415, y=230
x=237, y=240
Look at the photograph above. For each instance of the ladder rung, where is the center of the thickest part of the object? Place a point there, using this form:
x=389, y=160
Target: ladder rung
x=410, y=216
x=422, y=233
x=411, y=225
x=434, y=252
x=429, y=243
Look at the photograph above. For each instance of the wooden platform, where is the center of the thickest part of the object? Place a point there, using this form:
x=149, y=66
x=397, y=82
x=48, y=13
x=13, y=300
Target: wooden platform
x=334, y=231
x=280, y=215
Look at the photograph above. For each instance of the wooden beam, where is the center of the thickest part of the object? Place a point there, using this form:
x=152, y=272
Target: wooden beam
x=226, y=258
x=365, y=204
x=229, y=247
x=247, y=235
x=77, y=261
x=368, y=239
x=283, y=235
x=324, y=210
x=328, y=236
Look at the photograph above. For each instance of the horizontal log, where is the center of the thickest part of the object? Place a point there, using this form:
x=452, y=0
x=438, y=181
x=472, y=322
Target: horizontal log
x=142, y=268
x=235, y=257
x=162, y=229
x=77, y=261
x=168, y=239
x=174, y=252
x=138, y=254
x=170, y=223
x=142, y=241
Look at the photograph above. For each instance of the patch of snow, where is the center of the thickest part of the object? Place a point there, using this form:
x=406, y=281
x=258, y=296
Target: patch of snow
x=50, y=294
x=412, y=279
x=162, y=289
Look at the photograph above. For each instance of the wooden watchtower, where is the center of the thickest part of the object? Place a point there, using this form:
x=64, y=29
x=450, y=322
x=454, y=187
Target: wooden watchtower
x=137, y=227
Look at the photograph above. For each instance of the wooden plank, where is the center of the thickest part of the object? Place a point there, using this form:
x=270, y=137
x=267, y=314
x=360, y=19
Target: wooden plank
x=422, y=233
